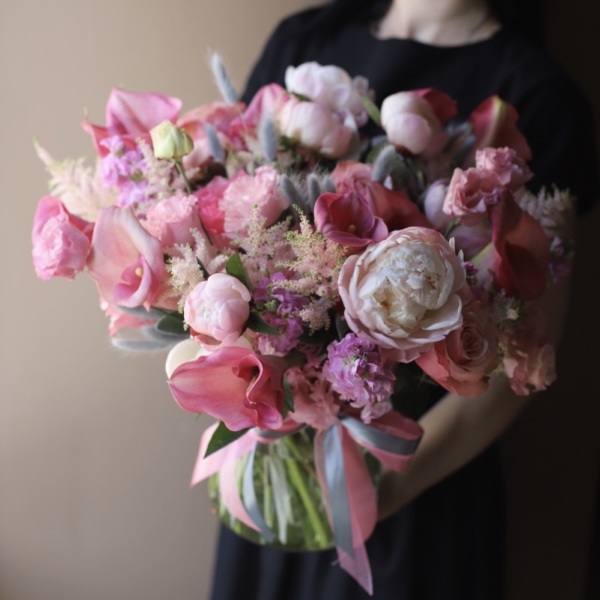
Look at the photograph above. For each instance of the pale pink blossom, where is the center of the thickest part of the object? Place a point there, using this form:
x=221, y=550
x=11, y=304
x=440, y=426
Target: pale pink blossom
x=531, y=371
x=173, y=220
x=61, y=241
x=433, y=204
x=217, y=309
x=402, y=293
x=125, y=261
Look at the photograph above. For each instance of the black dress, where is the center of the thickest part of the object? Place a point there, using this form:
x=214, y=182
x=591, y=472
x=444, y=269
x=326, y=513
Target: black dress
x=449, y=543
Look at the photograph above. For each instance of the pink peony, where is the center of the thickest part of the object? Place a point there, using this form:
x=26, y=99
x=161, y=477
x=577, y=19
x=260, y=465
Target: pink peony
x=494, y=123
x=507, y=166
x=267, y=102
x=125, y=261
x=463, y=360
x=61, y=241
x=348, y=220
x=315, y=127
x=329, y=86
x=413, y=121
x=172, y=220
x=233, y=385
x=401, y=293
x=217, y=309
x=131, y=115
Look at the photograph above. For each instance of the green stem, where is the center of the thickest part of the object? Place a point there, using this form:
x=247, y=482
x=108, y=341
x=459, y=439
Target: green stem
x=181, y=170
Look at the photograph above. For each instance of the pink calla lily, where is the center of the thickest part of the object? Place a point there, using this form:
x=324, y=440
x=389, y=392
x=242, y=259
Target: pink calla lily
x=234, y=385
x=131, y=115
x=125, y=261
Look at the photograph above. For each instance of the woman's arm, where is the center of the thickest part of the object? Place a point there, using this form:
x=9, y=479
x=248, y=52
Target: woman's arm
x=457, y=429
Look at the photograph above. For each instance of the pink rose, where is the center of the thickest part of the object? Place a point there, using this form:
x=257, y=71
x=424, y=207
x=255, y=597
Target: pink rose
x=471, y=193
x=315, y=127
x=494, y=123
x=329, y=86
x=531, y=371
x=233, y=385
x=125, y=261
x=61, y=241
x=402, y=293
x=394, y=207
x=414, y=120
x=506, y=165
x=131, y=115
x=517, y=258
x=172, y=220
x=463, y=360
x=348, y=220
x=217, y=309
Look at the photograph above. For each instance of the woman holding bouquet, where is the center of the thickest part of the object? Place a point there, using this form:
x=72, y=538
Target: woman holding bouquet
x=441, y=528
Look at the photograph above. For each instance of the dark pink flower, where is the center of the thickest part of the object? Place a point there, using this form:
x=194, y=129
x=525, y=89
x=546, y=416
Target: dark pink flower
x=131, y=115
x=233, y=385
x=61, y=241
x=348, y=220
x=125, y=261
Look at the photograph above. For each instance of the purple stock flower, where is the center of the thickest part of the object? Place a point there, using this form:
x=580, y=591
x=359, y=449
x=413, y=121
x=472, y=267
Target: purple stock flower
x=358, y=373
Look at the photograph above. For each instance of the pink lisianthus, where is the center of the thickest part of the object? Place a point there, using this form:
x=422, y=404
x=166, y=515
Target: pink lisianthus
x=173, y=220
x=329, y=86
x=463, y=360
x=494, y=123
x=315, y=127
x=314, y=403
x=413, y=121
x=348, y=220
x=394, y=207
x=217, y=309
x=131, y=115
x=61, y=241
x=125, y=261
x=507, y=166
x=234, y=385
x=402, y=293
x=517, y=258
x=531, y=371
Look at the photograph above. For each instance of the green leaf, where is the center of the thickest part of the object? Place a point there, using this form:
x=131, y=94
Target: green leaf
x=258, y=324
x=222, y=437
x=172, y=323
x=371, y=109
x=288, y=400
x=235, y=268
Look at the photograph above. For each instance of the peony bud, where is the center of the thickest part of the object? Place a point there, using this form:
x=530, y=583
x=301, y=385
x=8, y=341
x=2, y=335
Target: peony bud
x=170, y=142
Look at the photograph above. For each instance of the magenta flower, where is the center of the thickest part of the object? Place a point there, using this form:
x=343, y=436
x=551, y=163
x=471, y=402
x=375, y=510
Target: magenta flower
x=348, y=219
x=61, y=241
x=233, y=385
x=125, y=261
x=131, y=115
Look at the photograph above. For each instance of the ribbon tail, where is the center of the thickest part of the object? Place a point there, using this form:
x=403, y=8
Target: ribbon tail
x=358, y=567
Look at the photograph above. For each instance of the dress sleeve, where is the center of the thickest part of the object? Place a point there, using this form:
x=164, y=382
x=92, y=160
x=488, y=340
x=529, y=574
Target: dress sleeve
x=558, y=123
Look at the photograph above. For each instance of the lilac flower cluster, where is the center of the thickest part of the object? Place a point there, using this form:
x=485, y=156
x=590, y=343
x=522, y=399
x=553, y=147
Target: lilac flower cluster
x=359, y=374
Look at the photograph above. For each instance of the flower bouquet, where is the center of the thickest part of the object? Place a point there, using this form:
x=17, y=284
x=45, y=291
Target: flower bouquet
x=301, y=273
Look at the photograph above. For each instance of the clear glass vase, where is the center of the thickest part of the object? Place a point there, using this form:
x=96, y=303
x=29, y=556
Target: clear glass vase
x=288, y=495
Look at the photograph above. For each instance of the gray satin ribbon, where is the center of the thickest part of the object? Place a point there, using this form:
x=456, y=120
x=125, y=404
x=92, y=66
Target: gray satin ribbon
x=335, y=475
x=250, y=502
x=372, y=436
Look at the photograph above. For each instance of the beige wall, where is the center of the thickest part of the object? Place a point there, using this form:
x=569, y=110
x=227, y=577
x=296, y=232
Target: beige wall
x=95, y=458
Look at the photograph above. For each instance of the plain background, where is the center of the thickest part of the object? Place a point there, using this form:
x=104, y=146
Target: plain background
x=95, y=457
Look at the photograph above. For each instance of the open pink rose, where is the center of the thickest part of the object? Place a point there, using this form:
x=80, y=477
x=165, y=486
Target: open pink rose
x=463, y=360
x=348, y=220
x=517, y=258
x=315, y=127
x=506, y=165
x=217, y=309
x=131, y=115
x=61, y=241
x=172, y=220
x=414, y=120
x=494, y=123
x=125, y=261
x=233, y=385
x=402, y=293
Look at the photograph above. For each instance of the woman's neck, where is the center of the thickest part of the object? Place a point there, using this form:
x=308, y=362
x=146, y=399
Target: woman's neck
x=438, y=22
